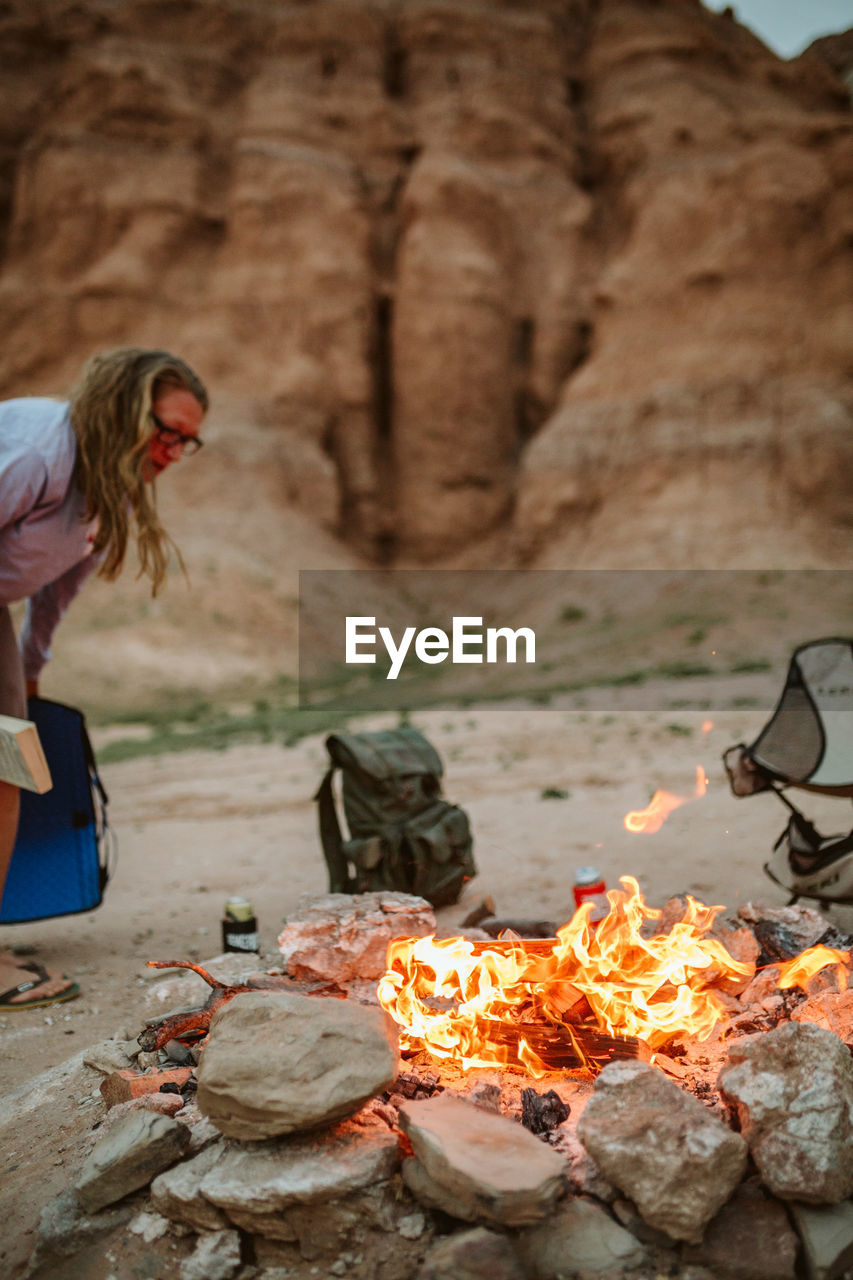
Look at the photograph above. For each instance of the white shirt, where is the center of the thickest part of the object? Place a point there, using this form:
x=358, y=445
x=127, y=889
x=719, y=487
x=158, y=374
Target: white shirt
x=45, y=542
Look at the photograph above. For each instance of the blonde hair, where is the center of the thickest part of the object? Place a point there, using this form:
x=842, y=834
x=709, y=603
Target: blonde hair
x=111, y=419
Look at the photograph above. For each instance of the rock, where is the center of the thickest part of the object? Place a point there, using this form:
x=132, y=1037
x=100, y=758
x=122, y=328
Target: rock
x=256, y=1186
x=672, y=912
x=341, y=936
x=558, y=268
x=749, y=1239
x=764, y=986
x=832, y=1010
x=827, y=1235
x=151, y=1226
x=164, y=1104
x=477, y=1254
x=277, y=1063
x=804, y=924
x=832, y=936
x=179, y=1053
x=412, y=1226
x=628, y=1215
x=777, y=942
x=111, y=1055
x=360, y=1229
x=486, y=1094
x=836, y=51
x=203, y=1132
x=215, y=1257
x=833, y=978
x=64, y=1229
x=121, y=1086
x=478, y=1166
x=177, y=1195
x=375, y=1109
x=128, y=1157
x=793, y=1092
x=585, y=1177
x=741, y=945
x=661, y=1147
x=579, y=1239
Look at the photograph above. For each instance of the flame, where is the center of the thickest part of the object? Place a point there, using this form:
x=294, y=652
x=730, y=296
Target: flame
x=796, y=972
x=707, y=726
x=649, y=820
x=486, y=1004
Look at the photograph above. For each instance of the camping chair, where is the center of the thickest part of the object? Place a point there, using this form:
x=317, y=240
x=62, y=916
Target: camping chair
x=64, y=849
x=807, y=743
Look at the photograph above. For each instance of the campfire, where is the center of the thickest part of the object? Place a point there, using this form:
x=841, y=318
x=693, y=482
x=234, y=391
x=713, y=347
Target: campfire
x=271, y=1091
x=596, y=992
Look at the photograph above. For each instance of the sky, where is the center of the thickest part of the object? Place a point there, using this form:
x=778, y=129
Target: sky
x=788, y=26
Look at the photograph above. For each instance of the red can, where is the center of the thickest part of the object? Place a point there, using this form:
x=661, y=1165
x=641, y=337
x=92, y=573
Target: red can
x=590, y=886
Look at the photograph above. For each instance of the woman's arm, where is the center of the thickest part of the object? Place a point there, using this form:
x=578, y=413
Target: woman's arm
x=44, y=610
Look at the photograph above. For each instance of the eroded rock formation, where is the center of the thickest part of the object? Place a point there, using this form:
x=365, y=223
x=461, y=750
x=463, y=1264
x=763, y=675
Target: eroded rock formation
x=483, y=266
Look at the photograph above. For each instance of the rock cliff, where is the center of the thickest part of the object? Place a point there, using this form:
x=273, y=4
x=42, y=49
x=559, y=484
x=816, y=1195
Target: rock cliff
x=546, y=281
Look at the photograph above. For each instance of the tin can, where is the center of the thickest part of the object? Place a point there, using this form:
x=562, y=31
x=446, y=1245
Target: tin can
x=239, y=926
x=590, y=886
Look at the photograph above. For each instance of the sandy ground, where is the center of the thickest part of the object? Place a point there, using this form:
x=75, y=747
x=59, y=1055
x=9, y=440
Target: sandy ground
x=194, y=829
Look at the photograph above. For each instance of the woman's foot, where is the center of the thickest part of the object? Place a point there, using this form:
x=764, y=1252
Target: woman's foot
x=27, y=984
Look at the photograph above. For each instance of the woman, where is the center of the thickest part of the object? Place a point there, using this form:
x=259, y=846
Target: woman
x=76, y=480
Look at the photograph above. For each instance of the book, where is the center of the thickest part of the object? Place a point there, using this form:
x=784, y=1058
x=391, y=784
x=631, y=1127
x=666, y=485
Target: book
x=22, y=760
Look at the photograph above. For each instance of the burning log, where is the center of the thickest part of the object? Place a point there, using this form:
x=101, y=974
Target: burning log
x=189, y=1024
x=566, y=1047
x=578, y=1000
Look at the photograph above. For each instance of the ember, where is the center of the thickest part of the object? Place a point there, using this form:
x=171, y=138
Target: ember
x=592, y=994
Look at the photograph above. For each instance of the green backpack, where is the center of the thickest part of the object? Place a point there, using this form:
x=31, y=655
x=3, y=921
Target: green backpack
x=403, y=834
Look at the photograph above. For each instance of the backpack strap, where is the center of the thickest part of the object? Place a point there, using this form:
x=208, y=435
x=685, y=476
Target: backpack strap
x=330, y=836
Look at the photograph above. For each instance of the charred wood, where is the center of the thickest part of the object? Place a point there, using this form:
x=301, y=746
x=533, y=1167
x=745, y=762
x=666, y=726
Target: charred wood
x=540, y=1113
x=495, y=926
x=187, y=1024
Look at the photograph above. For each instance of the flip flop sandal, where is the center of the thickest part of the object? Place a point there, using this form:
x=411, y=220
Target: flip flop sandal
x=41, y=977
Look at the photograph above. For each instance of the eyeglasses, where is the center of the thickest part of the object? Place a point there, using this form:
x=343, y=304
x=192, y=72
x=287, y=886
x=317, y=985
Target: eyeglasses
x=171, y=436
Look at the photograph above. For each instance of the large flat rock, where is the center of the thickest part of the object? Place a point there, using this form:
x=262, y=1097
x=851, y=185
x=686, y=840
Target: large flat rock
x=177, y=1195
x=344, y=936
x=134, y=1151
x=479, y=1166
x=277, y=1063
x=253, y=1184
